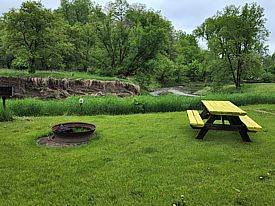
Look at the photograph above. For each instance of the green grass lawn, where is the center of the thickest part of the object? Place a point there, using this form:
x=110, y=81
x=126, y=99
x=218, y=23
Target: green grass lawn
x=248, y=88
x=252, y=88
x=143, y=159
x=57, y=74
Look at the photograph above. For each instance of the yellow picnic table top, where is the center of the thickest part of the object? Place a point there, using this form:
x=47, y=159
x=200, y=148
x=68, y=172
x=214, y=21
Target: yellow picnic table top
x=223, y=108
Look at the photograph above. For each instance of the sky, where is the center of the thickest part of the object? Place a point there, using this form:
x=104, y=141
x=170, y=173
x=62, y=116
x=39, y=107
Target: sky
x=185, y=15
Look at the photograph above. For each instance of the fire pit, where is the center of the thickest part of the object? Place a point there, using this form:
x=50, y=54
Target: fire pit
x=69, y=134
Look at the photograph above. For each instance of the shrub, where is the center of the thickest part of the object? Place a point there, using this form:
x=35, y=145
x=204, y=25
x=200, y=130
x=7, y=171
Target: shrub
x=267, y=77
x=5, y=115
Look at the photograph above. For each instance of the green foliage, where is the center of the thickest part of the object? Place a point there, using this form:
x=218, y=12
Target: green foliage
x=195, y=71
x=236, y=36
x=164, y=70
x=129, y=40
x=189, y=59
x=267, y=77
x=28, y=32
x=268, y=74
x=5, y=115
x=76, y=11
x=187, y=49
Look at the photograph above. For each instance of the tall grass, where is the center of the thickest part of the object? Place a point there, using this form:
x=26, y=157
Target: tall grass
x=5, y=115
x=130, y=105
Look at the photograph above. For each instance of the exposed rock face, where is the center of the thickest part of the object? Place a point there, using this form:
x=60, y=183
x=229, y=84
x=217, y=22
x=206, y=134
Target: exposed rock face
x=62, y=88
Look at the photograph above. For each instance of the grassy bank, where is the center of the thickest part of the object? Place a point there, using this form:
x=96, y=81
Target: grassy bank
x=131, y=105
x=150, y=159
x=57, y=74
x=250, y=94
x=248, y=88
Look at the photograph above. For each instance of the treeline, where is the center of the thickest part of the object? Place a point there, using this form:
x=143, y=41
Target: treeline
x=131, y=41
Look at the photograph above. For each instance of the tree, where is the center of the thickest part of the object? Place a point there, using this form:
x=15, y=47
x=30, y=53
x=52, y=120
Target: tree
x=27, y=30
x=2, y=50
x=76, y=11
x=236, y=36
x=79, y=32
x=128, y=36
x=269, y=68
x=150, y=34
x=187, y=48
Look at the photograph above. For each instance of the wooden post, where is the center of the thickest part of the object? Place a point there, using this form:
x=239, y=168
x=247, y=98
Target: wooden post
x=4, y=102
x=5, y=92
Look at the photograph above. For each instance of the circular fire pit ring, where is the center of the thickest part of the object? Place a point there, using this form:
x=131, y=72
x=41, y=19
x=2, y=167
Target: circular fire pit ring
x=73, y=132
x=69, y=134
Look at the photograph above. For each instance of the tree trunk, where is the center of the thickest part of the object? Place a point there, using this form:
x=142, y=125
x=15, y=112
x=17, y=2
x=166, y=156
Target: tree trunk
x=238, y=81
x=238, y=76
x=238, y=84
x=32, y=66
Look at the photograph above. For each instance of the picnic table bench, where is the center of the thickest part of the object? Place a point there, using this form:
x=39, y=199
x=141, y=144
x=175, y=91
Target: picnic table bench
x=225, y=111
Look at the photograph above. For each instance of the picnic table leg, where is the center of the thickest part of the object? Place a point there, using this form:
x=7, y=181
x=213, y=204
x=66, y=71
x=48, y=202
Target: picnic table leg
x=205, y=113
x=243, y=132
x=245, y=136
x=202, y=133
x=205, y=129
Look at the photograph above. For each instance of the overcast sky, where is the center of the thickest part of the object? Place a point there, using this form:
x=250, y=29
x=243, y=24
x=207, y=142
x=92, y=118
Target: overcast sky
x=184, y=14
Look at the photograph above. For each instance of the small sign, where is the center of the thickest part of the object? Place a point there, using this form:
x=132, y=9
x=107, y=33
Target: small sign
x=6, y=91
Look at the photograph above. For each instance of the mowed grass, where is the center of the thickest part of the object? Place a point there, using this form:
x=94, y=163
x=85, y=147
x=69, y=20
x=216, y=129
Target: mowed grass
x=251, y=88
x=247, y=88
x=142, y=159
x=57, y=74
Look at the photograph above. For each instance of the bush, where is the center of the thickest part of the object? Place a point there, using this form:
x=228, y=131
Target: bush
x=5, y=115
x=267, y=77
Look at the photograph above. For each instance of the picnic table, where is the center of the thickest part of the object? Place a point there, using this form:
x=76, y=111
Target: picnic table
x=231, y=118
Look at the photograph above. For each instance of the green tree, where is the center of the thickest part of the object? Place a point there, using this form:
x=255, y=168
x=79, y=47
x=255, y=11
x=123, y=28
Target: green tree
x=128, y=37
x=187, y=49
x=269, y=68
x=59, y=46
x=189, y=57
x=27, y=32
x=2, y=50
x=236, y=36
x=76, y=11
x=79, y=32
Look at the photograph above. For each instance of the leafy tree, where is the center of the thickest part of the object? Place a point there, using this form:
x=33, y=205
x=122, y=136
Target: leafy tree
x=2, y=50
x=76, y=11
x=27, y=32
x=187, y=49
x=149, y=37
x=269, y=68
x=164, y=70
x=194, y=71
x=189, y=56
x=128, y=37
x=58, y=47
x=236, y=36
x=78, y=32
x=112, y=35
x=80, y=39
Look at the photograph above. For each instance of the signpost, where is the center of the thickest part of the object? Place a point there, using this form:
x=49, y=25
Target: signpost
x=4, y=93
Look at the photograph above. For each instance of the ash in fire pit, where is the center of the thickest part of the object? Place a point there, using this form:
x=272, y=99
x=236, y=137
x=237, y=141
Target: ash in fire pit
x=69, y=134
